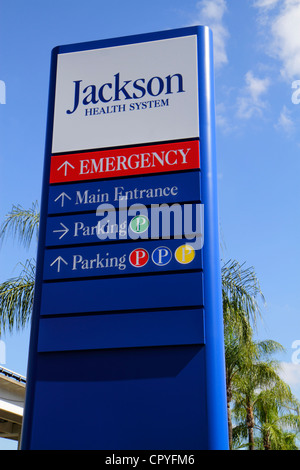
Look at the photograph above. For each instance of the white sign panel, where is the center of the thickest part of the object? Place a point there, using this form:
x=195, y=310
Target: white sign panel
x=126, y=95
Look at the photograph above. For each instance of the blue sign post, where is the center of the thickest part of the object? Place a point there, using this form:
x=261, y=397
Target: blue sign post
x=126, y=348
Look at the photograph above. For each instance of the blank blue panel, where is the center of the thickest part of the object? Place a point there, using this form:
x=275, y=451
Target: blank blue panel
x=128, y=293
x=121, y=399
x=121, y=330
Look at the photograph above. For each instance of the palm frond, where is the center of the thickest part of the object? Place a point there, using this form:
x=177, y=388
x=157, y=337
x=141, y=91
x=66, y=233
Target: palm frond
x=16, y=298
x=241, y=291
x=21, y=223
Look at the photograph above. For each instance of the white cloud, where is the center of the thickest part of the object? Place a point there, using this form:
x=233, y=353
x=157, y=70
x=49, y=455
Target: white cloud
x=265, y=3
x=2, y=92
x=285, y=122
x=285, y=29
x=290, y=373
x=210, y=13
x=282, y=33
x=256, y=86
x=250, y=103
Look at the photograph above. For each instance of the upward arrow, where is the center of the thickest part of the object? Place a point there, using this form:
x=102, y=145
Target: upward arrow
x=65, y=166
x=62, y=196
x=58, y=260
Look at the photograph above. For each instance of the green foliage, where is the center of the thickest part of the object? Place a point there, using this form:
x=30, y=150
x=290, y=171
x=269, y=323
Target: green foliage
x=22, y=224
x=16, y=298
x=240, y=292
x=261, y=405
x=16, y=294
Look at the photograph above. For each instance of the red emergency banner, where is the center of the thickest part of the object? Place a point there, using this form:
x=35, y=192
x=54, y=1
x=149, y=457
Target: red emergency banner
x=178, y=156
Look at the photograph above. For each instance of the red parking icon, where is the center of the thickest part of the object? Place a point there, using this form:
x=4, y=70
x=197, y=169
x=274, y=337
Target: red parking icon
x=139, y=257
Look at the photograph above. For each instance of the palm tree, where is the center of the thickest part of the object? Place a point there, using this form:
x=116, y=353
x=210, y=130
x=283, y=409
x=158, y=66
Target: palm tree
x=240, y=291
x=260, y=373
x=16, y=294
x=278, y=420
x=248, y=363
x=234, y=364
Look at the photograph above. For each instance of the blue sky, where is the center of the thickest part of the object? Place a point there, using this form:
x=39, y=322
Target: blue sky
x=257, y=65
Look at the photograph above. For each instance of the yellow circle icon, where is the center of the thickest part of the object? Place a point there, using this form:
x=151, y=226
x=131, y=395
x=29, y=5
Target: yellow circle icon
x=185, y=254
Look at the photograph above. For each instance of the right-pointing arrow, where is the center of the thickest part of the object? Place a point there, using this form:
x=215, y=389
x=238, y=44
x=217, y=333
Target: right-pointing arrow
x=64, y=230
x=58, y=260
